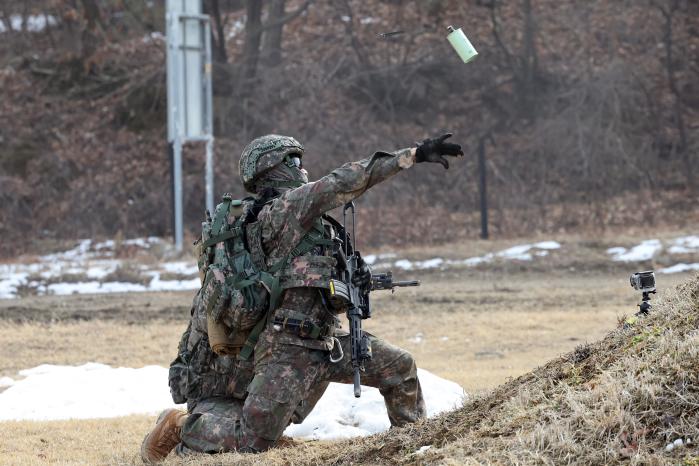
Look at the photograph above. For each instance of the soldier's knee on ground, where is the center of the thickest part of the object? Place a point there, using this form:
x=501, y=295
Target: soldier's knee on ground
x=209, y=433
x=402, y=368
x=212, y=426
x=268, y=409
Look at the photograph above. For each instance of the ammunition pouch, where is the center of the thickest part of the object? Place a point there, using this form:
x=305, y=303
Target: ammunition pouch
x=304, y=328
x=307, y=272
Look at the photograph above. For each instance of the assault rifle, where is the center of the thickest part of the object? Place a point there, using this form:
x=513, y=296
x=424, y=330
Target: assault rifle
x=356, y=298
x=384, y=281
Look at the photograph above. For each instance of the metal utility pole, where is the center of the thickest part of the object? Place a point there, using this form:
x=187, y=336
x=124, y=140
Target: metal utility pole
x=189, y=96
x=482, y=185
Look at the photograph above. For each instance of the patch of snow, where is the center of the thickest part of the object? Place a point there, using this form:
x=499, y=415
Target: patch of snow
x=101, y=269
x=372, y=258
x=473, y=261
x=157, y=284
x=9, y=283
x=681, y=267
x=93, y=287
x=520, y=252
x=422, y=450
x=88, y=391
x=145, y=243
x=444, y=338
x=417, y=338
x=6, y=382
x=99, y=391
x=641, y=252
x=431, y=263
x=345, y=19
x=109, y=244
x=339, y=414
x=547, y=245
x=182, y=267
x=404, y=264
x=93, y=260
x=684, y=245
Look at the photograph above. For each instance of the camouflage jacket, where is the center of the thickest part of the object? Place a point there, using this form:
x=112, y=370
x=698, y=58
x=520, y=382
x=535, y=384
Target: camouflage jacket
x=287, y=219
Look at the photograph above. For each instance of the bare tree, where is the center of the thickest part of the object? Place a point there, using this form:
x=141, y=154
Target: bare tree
x=218, y=37
x=90, y=33
x=253, y=38
x=272, y=29
x=272, y=45
x=669, y=9
x=523, y=63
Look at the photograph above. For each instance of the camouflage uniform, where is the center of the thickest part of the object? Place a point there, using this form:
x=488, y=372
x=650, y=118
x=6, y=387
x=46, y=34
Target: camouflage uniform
x=292, y=369
x=198, y=372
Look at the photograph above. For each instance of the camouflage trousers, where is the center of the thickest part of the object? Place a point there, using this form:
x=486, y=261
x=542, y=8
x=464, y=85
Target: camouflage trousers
x=288, y=382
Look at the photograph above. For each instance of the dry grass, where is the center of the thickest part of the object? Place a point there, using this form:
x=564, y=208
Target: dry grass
x=115, y=343
x=619, y=400
x=629, y=393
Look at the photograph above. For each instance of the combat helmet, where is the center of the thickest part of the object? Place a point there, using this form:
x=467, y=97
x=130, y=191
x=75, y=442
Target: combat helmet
x=263, y=154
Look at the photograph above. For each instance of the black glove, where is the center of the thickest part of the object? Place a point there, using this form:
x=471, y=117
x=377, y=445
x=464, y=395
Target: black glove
x=434, y=149
x=362, y=276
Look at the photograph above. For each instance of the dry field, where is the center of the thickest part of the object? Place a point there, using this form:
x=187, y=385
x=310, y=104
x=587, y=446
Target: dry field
x=478, y=328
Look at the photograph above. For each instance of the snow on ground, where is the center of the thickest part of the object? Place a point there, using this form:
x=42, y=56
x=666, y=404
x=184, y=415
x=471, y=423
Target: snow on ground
x=681, y=267
x=642, y=252
x=522, y=252
x=684, y=245
x=81, y=392
x=339, y=414
x=372, y=258
x=6, y=382
x=91, y=264
x=99, y=391
x=647, y=249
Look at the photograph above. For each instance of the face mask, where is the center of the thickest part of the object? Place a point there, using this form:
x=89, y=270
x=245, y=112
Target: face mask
x=289, y=171
x=295, y=162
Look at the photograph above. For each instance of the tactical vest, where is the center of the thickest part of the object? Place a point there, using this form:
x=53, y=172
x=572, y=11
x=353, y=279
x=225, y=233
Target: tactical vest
x=245, y=283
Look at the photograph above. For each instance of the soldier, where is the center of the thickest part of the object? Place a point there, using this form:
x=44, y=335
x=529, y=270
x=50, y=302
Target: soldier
x=296, y=354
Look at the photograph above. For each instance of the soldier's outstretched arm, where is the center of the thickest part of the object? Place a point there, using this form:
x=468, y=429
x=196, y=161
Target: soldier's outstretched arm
x=351, y=180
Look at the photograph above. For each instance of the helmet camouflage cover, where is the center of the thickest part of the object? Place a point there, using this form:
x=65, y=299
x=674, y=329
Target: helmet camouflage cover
x=263, y=154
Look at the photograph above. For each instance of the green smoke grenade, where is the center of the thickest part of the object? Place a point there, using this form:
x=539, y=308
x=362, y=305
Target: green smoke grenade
x=461, y=44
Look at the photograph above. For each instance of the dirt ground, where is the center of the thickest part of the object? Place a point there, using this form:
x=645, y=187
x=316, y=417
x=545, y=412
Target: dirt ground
x=476, y=328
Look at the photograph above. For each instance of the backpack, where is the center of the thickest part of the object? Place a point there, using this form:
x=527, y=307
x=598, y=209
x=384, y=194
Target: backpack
x=236, y=290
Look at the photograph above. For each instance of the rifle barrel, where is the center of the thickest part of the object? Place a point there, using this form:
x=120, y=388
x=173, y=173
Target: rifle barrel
x=407, y=283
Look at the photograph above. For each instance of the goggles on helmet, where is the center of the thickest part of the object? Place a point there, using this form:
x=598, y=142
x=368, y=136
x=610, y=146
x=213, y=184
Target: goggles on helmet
x=294, y=161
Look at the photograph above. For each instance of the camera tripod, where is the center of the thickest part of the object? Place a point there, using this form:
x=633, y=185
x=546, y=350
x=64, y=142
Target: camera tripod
x=645, y=306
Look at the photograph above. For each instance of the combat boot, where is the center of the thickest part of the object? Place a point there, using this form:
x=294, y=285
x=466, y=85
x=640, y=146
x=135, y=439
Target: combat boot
x=164, y=437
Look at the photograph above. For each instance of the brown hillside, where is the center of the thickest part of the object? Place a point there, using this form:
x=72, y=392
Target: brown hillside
x=588, y=111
